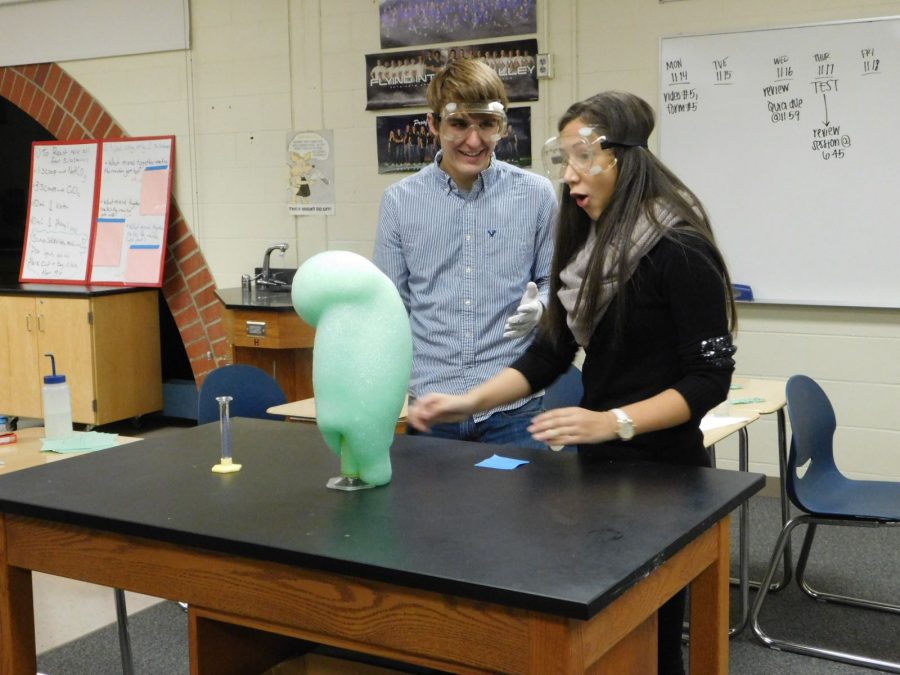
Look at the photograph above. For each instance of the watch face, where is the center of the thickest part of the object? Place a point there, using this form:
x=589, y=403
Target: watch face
x=624, y=425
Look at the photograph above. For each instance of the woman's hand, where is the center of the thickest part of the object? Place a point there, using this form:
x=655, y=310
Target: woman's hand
x=436, y=408
x=507, y=385
x=573, y=426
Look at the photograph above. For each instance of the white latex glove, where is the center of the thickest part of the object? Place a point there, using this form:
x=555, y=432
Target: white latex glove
x=527, y=315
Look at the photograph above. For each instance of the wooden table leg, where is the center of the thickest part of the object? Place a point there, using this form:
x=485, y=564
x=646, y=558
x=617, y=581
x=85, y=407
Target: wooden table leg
x=709, y=610
x=636, y=654
x=16, y=616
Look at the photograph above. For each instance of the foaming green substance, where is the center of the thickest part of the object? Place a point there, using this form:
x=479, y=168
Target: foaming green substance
x=362, y=358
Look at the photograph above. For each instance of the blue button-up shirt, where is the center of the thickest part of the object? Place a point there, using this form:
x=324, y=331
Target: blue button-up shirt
x=461, y=261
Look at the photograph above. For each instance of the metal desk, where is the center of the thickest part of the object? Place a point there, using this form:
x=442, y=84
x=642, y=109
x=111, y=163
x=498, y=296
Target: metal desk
x=710, y=438
x=775, y=401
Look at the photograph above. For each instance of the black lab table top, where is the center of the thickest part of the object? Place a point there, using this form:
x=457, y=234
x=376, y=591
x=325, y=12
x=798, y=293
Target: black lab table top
x=559, y=535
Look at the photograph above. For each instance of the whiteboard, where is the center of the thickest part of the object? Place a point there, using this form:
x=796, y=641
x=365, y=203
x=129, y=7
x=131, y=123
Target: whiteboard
x=60, y=212
x=45, y=31
x=135, y=185
x=787, y=135
x=98, y=211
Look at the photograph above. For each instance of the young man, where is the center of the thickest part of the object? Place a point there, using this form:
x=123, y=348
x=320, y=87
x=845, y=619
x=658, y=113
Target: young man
x=468, y=243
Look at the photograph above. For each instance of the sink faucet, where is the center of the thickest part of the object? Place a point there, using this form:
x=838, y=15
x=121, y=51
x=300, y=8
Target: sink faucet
x=264, y=279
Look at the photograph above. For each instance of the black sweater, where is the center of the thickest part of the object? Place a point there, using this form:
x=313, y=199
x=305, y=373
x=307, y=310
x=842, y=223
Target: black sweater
x=674, y=335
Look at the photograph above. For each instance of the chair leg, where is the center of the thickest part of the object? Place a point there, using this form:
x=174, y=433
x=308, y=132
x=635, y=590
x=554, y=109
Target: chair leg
x=124, y=637
x=798, y=647
x=785, y=507
x=785, y=501
x=823, y=596
x=743, y=579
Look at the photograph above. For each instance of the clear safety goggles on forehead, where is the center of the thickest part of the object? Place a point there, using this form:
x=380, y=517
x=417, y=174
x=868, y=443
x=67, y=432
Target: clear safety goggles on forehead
x=457, y=119
x=579, y=152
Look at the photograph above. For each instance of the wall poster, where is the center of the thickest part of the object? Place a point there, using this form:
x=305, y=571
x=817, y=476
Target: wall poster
x=406, y=144
x=310, y=161
x=405, y=23
x=399, y=79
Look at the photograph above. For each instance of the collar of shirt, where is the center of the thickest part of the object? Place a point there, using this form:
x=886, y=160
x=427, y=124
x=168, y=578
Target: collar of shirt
x=485, y=179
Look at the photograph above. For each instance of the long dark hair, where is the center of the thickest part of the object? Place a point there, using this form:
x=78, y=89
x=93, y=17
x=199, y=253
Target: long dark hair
x=643, y=183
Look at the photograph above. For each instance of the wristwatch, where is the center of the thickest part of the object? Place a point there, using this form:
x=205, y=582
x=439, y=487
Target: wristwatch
x=625, y=425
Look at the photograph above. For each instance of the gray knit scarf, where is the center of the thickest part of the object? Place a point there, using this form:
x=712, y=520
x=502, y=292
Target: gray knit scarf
x=643, y=239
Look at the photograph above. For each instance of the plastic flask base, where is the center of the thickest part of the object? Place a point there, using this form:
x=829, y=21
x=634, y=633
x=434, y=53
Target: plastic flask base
x=226, y=467
x=347, y=484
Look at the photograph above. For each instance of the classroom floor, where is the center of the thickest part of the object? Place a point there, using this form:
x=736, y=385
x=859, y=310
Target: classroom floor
x=65, y=610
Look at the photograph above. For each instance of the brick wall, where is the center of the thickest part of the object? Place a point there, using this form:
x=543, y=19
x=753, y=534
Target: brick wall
x=67, y=111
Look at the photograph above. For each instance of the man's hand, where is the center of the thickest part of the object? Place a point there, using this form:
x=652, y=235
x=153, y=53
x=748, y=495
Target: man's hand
x=527, y=315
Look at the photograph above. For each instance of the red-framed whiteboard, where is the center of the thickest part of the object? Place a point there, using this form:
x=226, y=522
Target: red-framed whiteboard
x=61, y=209
x=125, y=185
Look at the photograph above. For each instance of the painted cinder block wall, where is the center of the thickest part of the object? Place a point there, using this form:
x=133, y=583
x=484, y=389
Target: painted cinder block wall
x=258, y=70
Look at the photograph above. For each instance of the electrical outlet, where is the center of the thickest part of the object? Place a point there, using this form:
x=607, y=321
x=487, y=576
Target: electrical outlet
x=544, y=63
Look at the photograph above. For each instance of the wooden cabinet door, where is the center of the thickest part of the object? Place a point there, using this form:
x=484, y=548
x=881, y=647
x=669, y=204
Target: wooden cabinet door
x=20, y=382
x=64, y=329
x=128, y=362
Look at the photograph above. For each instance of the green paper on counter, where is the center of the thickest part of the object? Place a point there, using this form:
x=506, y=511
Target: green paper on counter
x=747, y=399
x=80, y=441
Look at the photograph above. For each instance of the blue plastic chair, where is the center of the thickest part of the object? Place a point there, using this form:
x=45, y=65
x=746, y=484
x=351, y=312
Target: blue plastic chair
x=252, y=390
x=566, y=391
x=826, y=497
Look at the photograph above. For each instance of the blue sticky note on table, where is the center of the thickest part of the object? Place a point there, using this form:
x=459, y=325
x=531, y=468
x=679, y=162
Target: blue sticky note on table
x=504, y=463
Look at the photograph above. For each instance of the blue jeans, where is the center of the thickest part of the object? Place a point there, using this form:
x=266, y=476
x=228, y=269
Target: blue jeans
x=507, y=427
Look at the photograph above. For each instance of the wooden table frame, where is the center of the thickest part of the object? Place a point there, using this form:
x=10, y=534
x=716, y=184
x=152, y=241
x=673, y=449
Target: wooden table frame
x=239, y=606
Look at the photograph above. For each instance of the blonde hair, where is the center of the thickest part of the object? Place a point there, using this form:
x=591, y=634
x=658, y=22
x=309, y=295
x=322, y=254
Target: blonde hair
x=465, y=81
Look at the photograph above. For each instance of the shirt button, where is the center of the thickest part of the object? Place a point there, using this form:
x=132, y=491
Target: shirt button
x=468, y=302
x=468, y=237
x=468, y=269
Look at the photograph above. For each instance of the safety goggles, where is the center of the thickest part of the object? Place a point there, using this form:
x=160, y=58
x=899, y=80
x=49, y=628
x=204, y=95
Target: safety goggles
x=458, y=119
x=579, y=152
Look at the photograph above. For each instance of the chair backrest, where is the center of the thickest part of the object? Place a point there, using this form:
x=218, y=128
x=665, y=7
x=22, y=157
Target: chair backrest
x=252, y=390
x=812, y=436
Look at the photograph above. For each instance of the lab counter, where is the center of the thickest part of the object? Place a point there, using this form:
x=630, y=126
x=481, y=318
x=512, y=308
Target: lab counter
x=63, y=290
x=105, y=340
x=263, y=330
x=256, y=298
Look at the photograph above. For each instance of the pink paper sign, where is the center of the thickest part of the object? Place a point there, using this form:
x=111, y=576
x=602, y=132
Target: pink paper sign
x=142, y=265
x=108, y=243
x=154, y=190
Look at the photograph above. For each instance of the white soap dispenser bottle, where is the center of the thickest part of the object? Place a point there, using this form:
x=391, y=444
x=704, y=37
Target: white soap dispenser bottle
x=57, y=404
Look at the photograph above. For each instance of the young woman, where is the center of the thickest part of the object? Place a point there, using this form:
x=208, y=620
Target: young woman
x=638, y=282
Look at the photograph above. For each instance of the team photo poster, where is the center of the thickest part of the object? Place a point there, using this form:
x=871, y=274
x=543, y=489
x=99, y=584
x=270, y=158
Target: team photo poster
x=400, y=79
x=406, y=144
x=406, y=23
